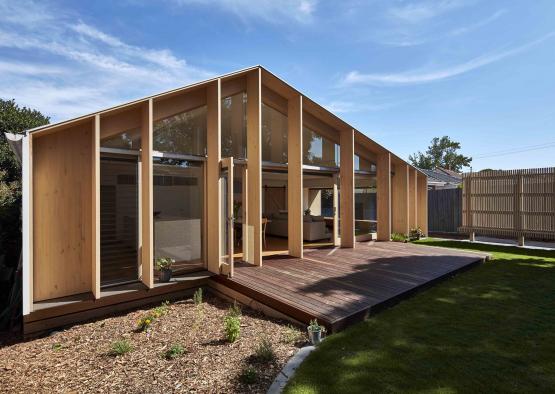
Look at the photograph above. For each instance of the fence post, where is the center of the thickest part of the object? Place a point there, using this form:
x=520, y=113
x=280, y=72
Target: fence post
x=468, y=199
x=518, y=208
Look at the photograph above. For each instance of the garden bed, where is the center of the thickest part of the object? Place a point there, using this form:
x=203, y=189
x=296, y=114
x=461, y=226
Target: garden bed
x=82, y=357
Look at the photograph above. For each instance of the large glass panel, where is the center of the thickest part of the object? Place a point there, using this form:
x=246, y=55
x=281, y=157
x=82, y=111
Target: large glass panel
x=318, y=150
x=129, y=139
x=274, y=135
x=362, y=164
x=234, y=126
x=365, y=205
x=178, y=212
x=183, y=133
x=118, y=220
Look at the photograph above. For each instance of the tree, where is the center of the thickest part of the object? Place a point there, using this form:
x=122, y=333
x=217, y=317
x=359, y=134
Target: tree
x=442, y=153
x=13, y=119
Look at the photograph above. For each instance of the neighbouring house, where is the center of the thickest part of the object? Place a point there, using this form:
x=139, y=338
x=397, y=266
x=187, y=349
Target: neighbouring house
x=442, y=178
x=232, y=168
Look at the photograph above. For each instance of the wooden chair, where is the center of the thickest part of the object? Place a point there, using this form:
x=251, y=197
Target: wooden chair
x=264, y=224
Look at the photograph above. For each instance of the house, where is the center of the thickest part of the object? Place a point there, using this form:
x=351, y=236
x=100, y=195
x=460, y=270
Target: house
x=442, y=178
x=232, y=168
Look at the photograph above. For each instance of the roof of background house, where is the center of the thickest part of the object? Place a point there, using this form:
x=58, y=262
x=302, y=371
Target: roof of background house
x=442, y=175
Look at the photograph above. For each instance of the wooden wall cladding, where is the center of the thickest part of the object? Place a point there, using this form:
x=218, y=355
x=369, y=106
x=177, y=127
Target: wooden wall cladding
x=62, y=215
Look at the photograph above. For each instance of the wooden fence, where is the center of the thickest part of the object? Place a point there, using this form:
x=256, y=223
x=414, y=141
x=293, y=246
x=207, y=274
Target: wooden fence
x=444, y=210
x=515, y=203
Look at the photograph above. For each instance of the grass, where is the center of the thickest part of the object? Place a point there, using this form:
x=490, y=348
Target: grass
x=175, y=351
x=121, y=347
x=490, y=329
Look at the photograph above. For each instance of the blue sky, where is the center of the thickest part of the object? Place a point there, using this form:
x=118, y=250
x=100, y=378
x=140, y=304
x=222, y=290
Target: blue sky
x=481, y=72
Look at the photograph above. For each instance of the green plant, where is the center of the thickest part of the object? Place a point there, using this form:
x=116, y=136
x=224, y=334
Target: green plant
x=307, y=212
x=163, y=263
x=197, y=296
x=291, y=334
x=232, y=323
x=57, y=346
x=265, y=351
x=398, y=237
x=248, y=375
x=315, y=327
x=161, y=310
x=144, y=323
x=174, y=351
x=120, y=347
x=416, y=233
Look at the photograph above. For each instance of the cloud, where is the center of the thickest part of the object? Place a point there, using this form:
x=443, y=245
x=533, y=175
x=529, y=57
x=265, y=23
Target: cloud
x=418, y=12
x=82, y=68
x=273, y=11
x=465, y=29
x=425, y=76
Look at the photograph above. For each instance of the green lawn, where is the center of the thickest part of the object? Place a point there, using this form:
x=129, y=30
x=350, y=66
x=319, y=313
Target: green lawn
x=488, y=330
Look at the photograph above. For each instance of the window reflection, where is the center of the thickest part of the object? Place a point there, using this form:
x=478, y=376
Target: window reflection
x=274, y=135
x=318, y=150
x=234, y=126
x=184, y=133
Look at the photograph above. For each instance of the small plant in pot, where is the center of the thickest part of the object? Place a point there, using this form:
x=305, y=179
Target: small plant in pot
x=164, y=265
x=315, y=332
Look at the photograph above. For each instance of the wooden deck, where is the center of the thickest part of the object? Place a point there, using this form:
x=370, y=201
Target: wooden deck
x=343, y=286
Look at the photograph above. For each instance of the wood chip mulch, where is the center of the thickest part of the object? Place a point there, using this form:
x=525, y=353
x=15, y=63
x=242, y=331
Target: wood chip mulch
x=78, y=359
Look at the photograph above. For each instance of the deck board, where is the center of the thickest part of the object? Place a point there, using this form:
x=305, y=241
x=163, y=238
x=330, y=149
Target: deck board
x=342, y=286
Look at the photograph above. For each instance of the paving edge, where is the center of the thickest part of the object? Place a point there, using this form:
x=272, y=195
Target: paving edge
x=289, y=370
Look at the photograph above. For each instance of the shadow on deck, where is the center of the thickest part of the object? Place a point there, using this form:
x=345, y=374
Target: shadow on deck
x=342, y=286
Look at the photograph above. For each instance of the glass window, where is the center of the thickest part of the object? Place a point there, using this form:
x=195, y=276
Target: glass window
x=318, y=150
x=184, y=133
x=365, y=205
x=129, y=139
x=363, y=164
x=274, y=135
x=178, y=212
x=234, y=126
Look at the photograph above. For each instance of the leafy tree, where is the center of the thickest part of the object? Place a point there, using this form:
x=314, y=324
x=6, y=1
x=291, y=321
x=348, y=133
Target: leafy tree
x=13, y=119
x=441, y=153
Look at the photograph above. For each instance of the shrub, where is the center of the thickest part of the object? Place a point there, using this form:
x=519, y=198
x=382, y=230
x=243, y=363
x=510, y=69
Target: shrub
x=57, y=346
x=398, y=237
x=161, y=310
x=291, y=334
x=232, y=323
x=174, y=351
x=144, y=323
x=265, y=351
x=120, y=347
x=197, y=297
x=248, y=375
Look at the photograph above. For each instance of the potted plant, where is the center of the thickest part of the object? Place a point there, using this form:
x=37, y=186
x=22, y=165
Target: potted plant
x=315, y=332
x=164, y=265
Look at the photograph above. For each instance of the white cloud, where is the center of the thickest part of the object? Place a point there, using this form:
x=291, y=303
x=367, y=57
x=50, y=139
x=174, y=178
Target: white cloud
x=418, y=12
x=274, y=11
x=82, y=68
x=486, y=21
x=424, y=76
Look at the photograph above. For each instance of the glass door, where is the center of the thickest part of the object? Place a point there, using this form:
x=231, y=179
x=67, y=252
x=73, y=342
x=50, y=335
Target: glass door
x=227, y=220
x=118, y=220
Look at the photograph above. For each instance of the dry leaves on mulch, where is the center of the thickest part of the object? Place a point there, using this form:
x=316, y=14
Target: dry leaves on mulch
x=78, y=358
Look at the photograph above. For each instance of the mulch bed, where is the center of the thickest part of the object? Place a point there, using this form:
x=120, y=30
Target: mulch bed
x=78, y=359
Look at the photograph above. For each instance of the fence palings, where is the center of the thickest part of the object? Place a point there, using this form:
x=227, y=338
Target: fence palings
x=514, y=203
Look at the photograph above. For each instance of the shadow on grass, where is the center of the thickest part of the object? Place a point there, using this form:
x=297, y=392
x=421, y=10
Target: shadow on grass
x=491, y=329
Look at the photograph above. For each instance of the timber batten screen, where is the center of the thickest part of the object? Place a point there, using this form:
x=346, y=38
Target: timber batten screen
x=514, y=203
x=112, y=191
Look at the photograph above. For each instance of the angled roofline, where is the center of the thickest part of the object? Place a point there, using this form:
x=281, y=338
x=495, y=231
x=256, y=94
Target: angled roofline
x=235, y=73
